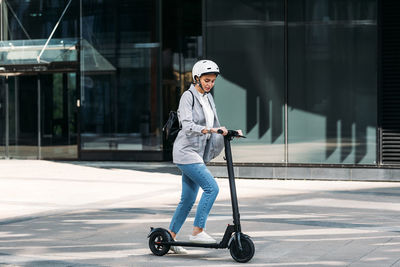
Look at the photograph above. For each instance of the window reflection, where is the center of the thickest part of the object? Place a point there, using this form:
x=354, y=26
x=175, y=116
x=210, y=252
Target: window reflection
x=332, y=81
x=3, y=127
x=246, y=39
x=120, y=84
x=36, y=19
x=182, y=47
x=39, y=59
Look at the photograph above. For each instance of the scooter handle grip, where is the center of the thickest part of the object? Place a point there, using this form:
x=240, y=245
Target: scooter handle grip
x=231, y=133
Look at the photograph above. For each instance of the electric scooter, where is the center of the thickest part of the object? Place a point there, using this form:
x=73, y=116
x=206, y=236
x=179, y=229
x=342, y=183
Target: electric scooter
x=240, y=245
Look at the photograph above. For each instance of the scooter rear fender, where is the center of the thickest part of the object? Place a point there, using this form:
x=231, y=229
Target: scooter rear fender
x=152, y=230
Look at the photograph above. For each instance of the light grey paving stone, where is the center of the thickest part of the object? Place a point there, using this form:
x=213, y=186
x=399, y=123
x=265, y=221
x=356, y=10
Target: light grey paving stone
x=280, y=172
x=255, y=172
x=330, y=173
x=367, y=174
x=218, y=171
x=298, y=173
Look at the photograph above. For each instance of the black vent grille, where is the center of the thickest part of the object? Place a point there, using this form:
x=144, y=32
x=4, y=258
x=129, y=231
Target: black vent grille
x=390, y=81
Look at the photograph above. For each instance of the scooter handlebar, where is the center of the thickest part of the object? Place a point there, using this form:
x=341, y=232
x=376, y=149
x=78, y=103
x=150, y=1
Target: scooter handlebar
x=231, y=133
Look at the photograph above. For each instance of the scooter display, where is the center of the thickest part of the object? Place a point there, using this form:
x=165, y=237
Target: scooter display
x=240, y=245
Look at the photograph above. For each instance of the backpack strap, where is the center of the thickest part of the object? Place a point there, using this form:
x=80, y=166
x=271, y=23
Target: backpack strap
x=192, y=98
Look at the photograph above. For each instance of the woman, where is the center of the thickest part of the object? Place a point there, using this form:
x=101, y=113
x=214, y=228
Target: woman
x=196, y=144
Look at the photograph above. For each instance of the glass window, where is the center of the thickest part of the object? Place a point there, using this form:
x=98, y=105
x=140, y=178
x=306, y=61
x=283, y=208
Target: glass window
x=58, y=103
x=120, y=75
x=23, y=116
x=34, y=19
x=180, y=51
x=246, y=40
x=3, y=111
x=332, y=81
x=38, y=52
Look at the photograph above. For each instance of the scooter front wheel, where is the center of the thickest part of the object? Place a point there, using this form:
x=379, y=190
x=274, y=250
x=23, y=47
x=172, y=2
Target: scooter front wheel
x=247, y=251
x=155, y=240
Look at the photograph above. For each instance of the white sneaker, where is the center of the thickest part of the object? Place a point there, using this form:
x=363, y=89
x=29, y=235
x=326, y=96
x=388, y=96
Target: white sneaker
x=203, y=238
x=178, y=250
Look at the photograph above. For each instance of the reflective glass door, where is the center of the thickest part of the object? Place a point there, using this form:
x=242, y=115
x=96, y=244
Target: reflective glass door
x=58, y=116
x=47, y=132
x=2, y=117
x=22, y=98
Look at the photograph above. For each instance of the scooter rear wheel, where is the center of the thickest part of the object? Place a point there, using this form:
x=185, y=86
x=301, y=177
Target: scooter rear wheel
x=154, y=243
x=247, y=251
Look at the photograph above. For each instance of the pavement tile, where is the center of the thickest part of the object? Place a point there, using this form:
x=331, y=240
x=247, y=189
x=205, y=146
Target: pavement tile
x=76, y=214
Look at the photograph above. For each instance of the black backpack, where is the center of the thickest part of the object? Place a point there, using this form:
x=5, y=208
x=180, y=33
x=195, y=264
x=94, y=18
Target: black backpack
x=171, y=128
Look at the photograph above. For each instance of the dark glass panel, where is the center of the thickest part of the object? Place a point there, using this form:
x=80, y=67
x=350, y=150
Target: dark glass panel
x=182, y=41
x=332, y=81
x=3, y=117
x=120, y=96
x=246, y=39
x=59, y=136
x=36, y=19
x=23, y=116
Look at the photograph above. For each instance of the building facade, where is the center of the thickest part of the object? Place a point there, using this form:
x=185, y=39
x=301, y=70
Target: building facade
x=312, y=83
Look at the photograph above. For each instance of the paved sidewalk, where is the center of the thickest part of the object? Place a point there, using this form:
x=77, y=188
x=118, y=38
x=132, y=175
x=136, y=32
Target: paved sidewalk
x=80, y=214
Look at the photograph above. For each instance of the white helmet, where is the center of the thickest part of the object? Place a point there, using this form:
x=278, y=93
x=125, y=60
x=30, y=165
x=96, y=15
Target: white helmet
x=204, y=67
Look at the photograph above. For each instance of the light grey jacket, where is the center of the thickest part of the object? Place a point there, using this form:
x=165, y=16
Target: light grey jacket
x=192, y=146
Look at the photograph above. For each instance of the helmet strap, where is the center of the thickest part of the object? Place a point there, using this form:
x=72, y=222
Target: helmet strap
x=201, y=87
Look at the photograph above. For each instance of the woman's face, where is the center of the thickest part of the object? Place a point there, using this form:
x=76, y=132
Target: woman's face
x=207, y=81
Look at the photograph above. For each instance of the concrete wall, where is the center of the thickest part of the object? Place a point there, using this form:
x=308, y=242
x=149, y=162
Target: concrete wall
x=344, y=174
x=258, y=172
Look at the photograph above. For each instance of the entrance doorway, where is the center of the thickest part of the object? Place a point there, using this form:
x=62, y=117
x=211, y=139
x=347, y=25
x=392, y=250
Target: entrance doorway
x=40, y=115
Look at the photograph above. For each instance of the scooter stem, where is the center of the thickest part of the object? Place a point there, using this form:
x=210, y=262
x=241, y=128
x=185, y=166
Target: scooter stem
x=231, y=175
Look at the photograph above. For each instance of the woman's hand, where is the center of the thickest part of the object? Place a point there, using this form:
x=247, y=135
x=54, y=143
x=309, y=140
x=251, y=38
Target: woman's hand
x=240, y=132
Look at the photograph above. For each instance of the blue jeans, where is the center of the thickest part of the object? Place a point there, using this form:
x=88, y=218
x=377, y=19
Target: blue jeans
x=194, y=176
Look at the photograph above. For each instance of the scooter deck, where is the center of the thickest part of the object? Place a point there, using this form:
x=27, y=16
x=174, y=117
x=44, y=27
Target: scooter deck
x=191, y=244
